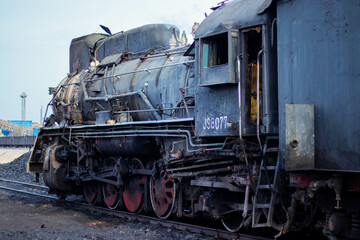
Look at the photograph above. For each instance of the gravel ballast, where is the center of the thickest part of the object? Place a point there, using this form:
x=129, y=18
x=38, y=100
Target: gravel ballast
x=28, y=217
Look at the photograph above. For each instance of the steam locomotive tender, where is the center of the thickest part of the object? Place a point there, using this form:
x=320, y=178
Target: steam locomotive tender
x=254, y=124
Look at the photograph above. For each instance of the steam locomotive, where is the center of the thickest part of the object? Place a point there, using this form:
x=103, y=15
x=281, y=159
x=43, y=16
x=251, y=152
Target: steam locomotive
x=255, y=124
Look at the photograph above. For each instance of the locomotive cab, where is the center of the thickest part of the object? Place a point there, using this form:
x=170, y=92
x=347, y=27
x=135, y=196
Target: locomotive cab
x=237, y=71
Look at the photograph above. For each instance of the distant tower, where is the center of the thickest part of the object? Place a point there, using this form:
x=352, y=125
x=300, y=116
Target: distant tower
x=23, y=108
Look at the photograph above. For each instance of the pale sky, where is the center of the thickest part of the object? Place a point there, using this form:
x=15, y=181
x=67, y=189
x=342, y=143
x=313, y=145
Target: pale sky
x=36, y=35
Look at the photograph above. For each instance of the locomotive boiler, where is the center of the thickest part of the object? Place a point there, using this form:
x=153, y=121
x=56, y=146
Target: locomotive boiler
x=254, y=124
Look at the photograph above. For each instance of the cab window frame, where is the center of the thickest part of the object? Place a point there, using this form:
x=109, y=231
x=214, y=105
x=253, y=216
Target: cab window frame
x=218, y=53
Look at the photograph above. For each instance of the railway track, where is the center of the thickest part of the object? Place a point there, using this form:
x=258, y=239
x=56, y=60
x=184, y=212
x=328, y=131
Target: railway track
x=24, y=188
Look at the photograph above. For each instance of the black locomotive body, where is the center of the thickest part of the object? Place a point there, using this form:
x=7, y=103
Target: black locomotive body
x=254, y=124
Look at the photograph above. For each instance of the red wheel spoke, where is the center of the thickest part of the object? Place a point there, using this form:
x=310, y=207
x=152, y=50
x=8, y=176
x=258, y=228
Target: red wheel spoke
x=169, y=190
x=90, y=192
x=111, y=195
x=141, y=180
x=162, y=195
x=167, y=180
x=133, y=194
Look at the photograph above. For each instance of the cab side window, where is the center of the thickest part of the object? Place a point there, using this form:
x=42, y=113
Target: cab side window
x=214, y=50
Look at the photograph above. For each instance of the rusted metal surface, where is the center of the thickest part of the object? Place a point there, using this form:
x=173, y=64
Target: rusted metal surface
x=301, y=179
x=135, y=84
x=79, y=51
x=299, y=136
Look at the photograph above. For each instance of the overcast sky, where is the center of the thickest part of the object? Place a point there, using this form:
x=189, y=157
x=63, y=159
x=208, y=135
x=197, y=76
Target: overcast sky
x=36, y=35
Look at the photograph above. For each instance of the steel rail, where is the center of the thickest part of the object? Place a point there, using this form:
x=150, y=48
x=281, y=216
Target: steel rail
x=24, y=183
x=29, y=193
x=210, y=232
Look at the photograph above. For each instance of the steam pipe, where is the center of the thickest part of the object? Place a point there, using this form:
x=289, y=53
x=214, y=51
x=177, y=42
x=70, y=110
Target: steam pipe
x=148, y=103
x=158, y=133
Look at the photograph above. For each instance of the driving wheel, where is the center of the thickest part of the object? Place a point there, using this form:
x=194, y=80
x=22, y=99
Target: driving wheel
x=133, y=194
x=162, y=195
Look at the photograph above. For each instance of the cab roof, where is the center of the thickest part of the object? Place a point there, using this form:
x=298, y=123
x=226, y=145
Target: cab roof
x=234, y=15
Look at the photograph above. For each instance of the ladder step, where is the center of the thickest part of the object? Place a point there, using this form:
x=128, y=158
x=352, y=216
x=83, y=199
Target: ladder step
x=268, y=168
x=269, y=150
x=266, y=186
x=262, y=205
x=260, y=225
x=263, y=210
x=272, y=137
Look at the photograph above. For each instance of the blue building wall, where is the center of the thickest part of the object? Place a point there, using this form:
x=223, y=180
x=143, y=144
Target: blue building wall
x=5, y=132
x=36, y=130
x=26, y=123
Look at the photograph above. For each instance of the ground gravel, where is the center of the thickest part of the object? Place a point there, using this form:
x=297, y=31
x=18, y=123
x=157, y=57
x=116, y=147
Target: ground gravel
x=16, y=170
x=29, y=217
